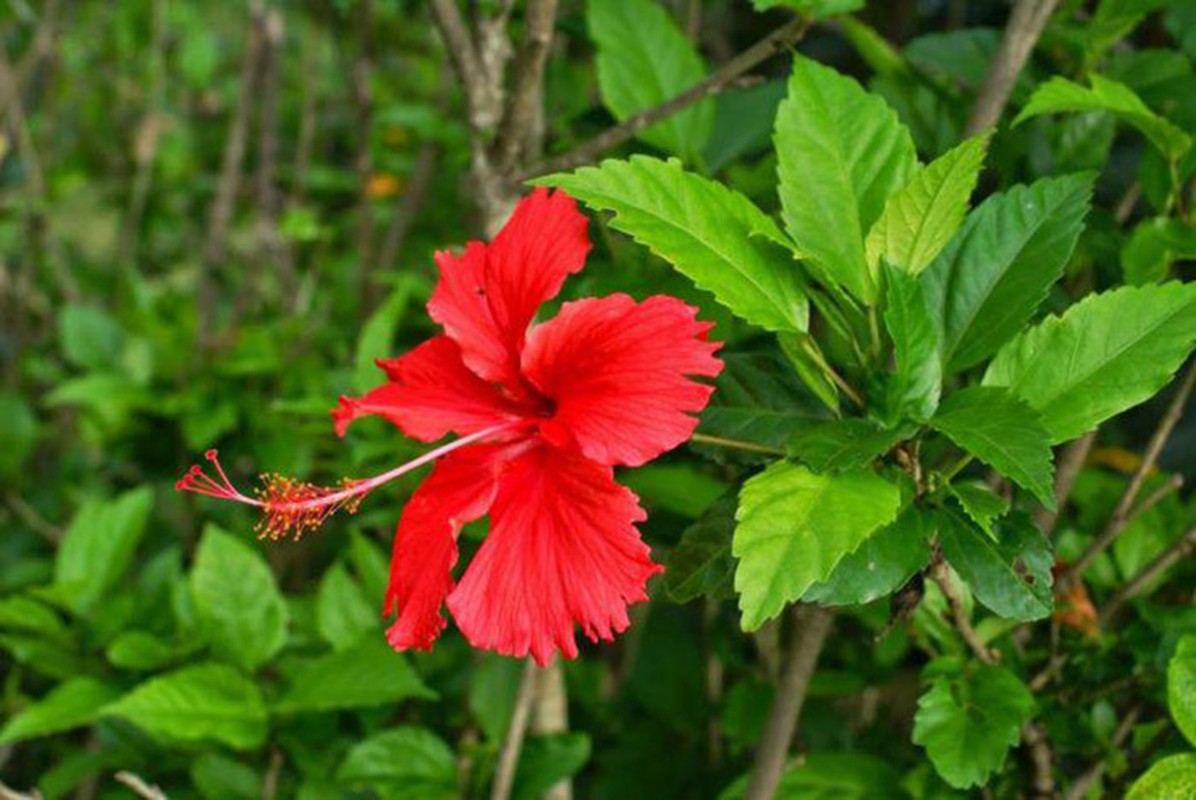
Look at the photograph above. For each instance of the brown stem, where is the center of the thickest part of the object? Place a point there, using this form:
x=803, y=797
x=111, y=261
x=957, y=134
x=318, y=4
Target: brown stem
x=811, y=625
x=467, y=63
x=1121, y=514
x=1179, y=550
x=761, y=51
x=273, y=771
x=139, y=787
x=552, y=716
x=30, y=516
x=221, y=212
x=942, y=578
x=145, y=150
x=268, y=201
x=539, y=21
x=8, y=793
x=714, y=674
x=508, y=758
x=298, y=187
x=363, y=67
x=1082, y=784
x=1071, y=461
x=1026, y=23
x=1042, y=761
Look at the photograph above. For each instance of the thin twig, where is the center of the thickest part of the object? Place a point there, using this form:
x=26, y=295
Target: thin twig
x=303, y=150
x=1041, y=760
x=735, y=444
x=8, y=793
x=140, y=787
x=1179, y=550
x=942, y=578
x=1082, y=784
x=1121, y=514
x=466, y=62
x=1071, y=461
x=539, y=21
x=30, y=516
x=1026, y=24
x=363, y=68
x=552, y=716
x=408, y=208
x=273, y=771
x=780, y=39
x=811, y=625
x=269, y=243
x=149, y=134
x=508, y=758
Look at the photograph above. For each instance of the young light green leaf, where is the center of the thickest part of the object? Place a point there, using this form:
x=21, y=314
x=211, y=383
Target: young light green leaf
x=711, y=234
x=1181, y=687
x=882, y=564
x=701, y=563
x=141, y=651
x=998, y=269
x=914, y=387
x=196, y=703
x=968, y=722
x=982, y=505
x=921, y=218
x=1107, y=353
x=368, y=674
x=1170, y=778
x=1003, y=432
x=99, y=544
x=842, y=444
x=1153, y=246
x=1011, y=575
x=72, y=704
x=758, y=400
x=406, y=763
x=237, y=601
x=342, y=614
x=643, y=60
x=841, y=152
x=1061, y=95
x=795, y=526
x=814, y=9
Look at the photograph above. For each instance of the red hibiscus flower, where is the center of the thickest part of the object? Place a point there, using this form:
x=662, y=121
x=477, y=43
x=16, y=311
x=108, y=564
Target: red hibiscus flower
x=543, y=413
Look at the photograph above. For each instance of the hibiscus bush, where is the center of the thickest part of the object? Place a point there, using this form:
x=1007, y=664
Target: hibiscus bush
x=614, y=399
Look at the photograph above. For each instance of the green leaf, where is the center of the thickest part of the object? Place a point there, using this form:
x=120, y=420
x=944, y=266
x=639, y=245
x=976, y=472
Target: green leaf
x=701, y=563
x=1107, y=353
x=1170, y=778
x=843, y=443
x=710, y=233
x=1061, y=95
x=643, y=60
x=982, y=505
x=1003, y=432
x=795, y=526
x=493, y=689
x=1011, y=575
x=195, y=703
x=921, y=218
x=915, y=385
x=23, y=613
x=377, y=337
x=998, y=268
x=141, y=651
x=841, y=152
x=98, y=547
x=832, y=776
x=368, y=674
x=90, y=337
x=967, y=722
x=370, y=564
x=1181, y=686
x=882, y=564
x=71, y=704
x=18, y=433
x=405, y=762
x=757, y=399
x=813, y=9
x=1153, y=246
x=679, y=488
x=218, y=777
x=342, y=614
x=548, y=760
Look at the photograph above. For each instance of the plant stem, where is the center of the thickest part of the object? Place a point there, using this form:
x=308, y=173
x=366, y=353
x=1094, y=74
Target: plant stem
x=829, y=371
x=942, y=578
x=811, y=625
x=957, y=467
x=508, y=759
x=1026, y=23
x=1179, y=550
x=735, y=444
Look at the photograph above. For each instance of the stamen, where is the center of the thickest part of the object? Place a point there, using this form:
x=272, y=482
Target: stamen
x=292, y=507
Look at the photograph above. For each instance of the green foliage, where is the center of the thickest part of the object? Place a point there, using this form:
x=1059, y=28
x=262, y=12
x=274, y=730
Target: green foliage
x=913, y=389
x=643, y=60
x=881, y=565
x=98, y=547
x=1181, y=686
x=840, y=153
x=366, y=674
x=701, y=563
x=795, y=526
x=72, y=704
x=1107, y=353
x=968, y=719
x=1010, y=572
x=1171, y=778
x=237, y=602
x=711, y=234
x=404, y=762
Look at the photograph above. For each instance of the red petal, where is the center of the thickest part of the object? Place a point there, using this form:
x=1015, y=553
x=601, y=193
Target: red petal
x=429, y=394
x=562, y=549
x=487, y=297
x=460, y=489
x=617, y=373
